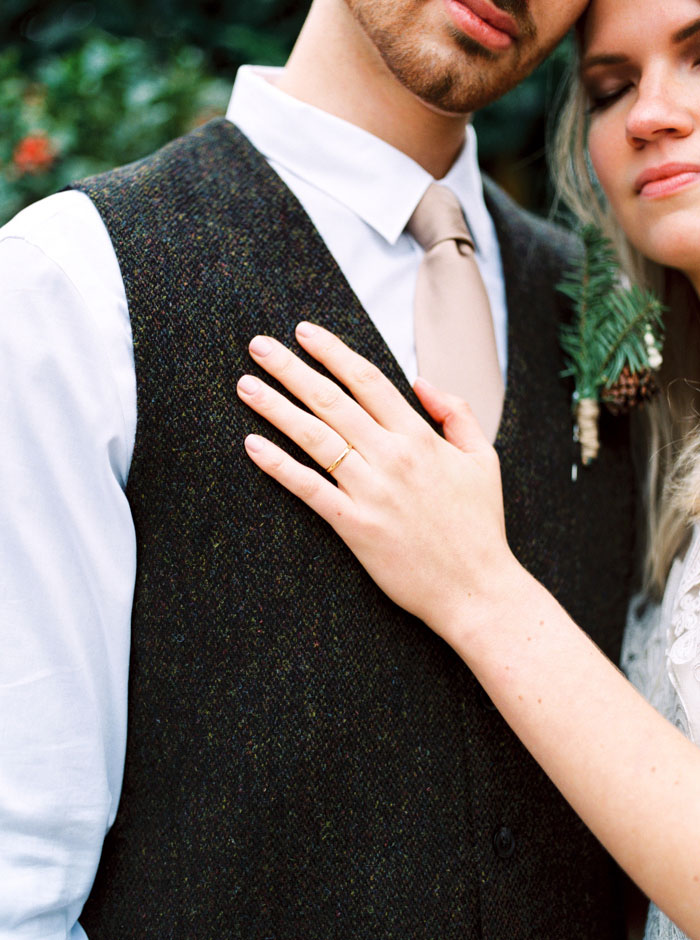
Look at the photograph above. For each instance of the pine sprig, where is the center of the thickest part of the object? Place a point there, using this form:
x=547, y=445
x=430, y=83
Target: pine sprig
x=615, y=327
x=634, y=313
x=589, y=281
x=611, y=322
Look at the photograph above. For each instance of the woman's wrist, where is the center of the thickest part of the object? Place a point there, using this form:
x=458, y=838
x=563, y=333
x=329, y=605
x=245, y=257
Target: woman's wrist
x=472, y=617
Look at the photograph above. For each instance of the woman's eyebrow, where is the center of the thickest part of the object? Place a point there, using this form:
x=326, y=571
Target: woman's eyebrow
x=605, y=59
x=612, y=59
x=690, y=30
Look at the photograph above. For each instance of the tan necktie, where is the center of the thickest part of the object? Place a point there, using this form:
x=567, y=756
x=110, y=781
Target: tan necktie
x=455, y=340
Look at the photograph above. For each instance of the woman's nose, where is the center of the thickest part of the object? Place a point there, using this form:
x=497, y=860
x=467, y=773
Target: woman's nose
x=659, y=111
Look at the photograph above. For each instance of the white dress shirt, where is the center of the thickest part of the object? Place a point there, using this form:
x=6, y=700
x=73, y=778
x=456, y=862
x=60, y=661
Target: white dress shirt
x=67, y=425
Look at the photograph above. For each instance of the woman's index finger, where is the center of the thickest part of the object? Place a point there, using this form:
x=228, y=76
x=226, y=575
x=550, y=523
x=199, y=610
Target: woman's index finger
x=369, y=386
x=320, y=394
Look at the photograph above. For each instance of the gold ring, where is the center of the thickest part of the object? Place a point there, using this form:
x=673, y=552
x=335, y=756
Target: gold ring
x=337, y=462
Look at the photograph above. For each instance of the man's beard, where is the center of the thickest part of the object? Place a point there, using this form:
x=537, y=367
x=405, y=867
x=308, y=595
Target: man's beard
x=459, y=81
x=453, y=86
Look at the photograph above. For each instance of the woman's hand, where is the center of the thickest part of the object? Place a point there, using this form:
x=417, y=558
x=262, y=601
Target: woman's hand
x=423, y=514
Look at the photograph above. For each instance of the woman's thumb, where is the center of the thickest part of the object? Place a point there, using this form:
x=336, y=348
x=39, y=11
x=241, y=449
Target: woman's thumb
x=454, y=414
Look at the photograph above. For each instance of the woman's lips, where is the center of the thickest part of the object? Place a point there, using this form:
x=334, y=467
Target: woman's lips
x=483, y=22
x=666, y=179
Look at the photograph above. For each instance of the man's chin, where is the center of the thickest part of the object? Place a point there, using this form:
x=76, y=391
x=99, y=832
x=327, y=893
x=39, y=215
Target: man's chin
x=451, y=98
x=465, y=115
x=455, y=76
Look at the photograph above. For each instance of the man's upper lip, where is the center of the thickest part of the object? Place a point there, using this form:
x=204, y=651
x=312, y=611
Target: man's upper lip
x=664, y=172
x=492, y=15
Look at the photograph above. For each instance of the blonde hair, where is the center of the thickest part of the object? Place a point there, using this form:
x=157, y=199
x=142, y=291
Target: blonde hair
x=668, y=428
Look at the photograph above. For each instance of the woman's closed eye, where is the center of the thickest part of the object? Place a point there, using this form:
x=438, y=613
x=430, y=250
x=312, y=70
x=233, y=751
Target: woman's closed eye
x=600, y=100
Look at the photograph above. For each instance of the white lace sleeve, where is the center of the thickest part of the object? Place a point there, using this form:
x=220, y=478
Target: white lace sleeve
x=644, y=658
x=661, y=657
x=684, y=640
x=659, y=927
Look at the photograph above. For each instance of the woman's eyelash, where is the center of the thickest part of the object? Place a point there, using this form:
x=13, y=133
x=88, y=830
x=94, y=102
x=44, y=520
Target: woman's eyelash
x=601, y=102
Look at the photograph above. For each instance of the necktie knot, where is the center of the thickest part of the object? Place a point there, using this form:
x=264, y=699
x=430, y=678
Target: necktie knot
x=438, y=218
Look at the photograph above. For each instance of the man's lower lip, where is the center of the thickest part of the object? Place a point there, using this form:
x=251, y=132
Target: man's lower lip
x=473, y=26
x=670, y=184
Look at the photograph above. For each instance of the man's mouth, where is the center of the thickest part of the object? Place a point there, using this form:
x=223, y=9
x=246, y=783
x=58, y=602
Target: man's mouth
x=484, y=23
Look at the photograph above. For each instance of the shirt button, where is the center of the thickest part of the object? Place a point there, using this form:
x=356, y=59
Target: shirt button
x=504, y=842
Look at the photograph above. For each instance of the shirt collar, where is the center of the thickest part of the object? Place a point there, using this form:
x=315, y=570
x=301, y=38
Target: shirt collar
x=374, y=180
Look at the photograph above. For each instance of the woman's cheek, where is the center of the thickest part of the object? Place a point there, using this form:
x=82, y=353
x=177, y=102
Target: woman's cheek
x=602, y=151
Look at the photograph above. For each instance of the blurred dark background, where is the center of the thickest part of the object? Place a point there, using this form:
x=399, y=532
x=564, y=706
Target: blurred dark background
x=85, y=86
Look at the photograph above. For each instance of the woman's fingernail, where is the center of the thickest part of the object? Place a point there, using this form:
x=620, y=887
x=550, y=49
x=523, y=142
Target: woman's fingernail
x=260, y=346
x=254, y=443
x=248, y=384
x=306, y=329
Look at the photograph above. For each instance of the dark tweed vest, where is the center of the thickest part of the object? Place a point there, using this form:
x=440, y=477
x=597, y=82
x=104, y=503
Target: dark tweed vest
x=304, y=759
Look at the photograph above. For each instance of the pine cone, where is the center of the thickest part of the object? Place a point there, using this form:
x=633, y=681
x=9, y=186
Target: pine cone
x=631, y=388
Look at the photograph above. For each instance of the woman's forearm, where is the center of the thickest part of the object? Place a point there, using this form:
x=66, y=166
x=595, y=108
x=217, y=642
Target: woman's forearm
x=631, y=776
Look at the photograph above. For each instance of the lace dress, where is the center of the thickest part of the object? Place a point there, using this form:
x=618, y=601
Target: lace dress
x=661, y=657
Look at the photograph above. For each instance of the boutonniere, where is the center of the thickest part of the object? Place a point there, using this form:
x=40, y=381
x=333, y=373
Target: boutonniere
x=613, y=344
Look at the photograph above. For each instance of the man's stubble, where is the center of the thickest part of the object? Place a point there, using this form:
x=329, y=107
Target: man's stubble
x=456, y=75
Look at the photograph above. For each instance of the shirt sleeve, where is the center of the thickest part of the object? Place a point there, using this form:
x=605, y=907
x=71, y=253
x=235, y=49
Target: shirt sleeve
x=67, y=568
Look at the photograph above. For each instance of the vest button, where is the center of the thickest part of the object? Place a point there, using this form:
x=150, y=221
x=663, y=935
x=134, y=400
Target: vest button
x=486, y=701
x=504, y=842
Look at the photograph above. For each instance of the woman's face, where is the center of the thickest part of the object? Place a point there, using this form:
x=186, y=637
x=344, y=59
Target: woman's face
x=641, y=70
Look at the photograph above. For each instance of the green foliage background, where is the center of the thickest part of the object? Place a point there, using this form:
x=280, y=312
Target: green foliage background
x=102, y=84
